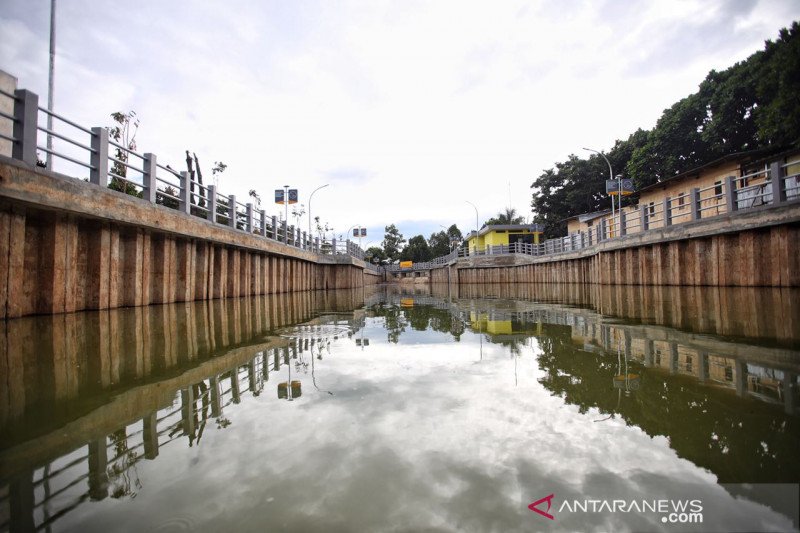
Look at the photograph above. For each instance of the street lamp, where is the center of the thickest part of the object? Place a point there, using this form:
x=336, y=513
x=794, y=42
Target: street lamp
x=309, y=206
x=610, y=177
x=476, y=224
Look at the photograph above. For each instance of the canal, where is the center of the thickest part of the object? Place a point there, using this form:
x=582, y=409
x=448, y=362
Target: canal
x=521, y=407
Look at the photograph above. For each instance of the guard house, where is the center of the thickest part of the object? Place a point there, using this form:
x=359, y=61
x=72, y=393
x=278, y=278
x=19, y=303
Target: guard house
x=503, y=234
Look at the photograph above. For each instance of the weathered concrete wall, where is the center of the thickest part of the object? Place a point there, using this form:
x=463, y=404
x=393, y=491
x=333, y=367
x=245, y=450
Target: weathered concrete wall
x=67, y=245
x=758, y=248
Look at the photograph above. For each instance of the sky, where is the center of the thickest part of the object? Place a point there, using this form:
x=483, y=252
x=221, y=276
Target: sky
x=407, y=109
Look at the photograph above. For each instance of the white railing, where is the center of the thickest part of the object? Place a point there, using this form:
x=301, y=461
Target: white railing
x=111, y=164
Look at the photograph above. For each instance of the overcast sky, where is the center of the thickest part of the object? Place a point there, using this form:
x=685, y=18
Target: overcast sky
x=407, y=109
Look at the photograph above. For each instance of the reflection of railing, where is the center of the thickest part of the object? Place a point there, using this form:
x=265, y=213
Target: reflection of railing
x=142, y=176
x=107, y=466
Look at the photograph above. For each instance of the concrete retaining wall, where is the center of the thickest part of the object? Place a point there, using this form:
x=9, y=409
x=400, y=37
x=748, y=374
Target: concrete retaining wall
x=67, y=245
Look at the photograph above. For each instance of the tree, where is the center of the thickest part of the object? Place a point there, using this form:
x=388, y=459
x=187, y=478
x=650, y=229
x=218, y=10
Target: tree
x=375, y=252
x=417, y=250
x=509, y=216
x=439, y=244
x=751, y=105
x=393, y=242
x=124, y=134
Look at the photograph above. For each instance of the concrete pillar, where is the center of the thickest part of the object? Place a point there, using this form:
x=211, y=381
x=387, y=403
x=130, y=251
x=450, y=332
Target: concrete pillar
x=216, y=404
x=98, y=460
x=150, y=435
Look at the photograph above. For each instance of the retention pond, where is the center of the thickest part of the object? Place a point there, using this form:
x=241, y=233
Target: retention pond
x=471, y=408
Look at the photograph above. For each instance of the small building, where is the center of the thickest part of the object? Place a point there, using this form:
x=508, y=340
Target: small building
x=585, y=223
x=503, y=234
x=749, y=170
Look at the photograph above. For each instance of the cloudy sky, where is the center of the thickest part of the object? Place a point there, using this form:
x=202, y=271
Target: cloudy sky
x=408, y=109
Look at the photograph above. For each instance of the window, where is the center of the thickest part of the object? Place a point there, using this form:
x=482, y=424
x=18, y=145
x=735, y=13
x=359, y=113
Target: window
x=717, y=188
x=681, y=199
x=589, y=224
x=651, y=207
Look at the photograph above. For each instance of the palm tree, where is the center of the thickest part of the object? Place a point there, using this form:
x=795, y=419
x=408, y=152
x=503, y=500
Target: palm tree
x=507, y=217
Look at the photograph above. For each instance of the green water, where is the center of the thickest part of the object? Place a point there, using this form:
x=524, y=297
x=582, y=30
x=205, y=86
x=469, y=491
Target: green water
x=429, y=409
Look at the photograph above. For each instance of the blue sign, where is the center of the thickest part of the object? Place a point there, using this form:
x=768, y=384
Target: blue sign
x=278, y=196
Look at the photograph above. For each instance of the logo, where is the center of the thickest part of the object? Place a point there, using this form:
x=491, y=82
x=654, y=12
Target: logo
x=546, y=514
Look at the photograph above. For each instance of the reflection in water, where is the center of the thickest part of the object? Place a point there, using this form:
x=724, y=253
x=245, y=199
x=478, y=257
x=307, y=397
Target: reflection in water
x=396, y=383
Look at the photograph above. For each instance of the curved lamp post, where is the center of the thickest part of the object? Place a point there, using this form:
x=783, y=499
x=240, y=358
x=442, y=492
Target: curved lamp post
x=309, y=207
x=610, y=177
x=476, y=224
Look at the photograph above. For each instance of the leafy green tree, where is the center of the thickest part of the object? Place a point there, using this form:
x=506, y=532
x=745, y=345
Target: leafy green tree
x=417, y=250
x=393, y=242
x=777, y=87
x=375, y=252
x=439, y=244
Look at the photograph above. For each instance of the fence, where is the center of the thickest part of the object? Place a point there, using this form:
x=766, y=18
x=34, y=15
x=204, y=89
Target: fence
x=772, y=186
x=113, y=165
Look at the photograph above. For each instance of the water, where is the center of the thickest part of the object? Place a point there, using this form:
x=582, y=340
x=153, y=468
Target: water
x=451, y=409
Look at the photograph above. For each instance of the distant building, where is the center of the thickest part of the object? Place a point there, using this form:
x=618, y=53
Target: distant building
x=503, y=234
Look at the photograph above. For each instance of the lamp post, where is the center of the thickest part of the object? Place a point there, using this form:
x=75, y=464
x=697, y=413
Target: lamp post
x=51, y=83
x=309, y=206
x=476, y=224
x=610, y=177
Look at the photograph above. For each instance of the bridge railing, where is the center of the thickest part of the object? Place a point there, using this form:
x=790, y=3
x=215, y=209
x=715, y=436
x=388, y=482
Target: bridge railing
x=111, y=164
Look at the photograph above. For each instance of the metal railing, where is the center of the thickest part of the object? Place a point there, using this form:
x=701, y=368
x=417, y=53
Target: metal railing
x=776, y=184
x=113, y=165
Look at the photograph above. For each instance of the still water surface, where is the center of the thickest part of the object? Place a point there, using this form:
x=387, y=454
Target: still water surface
x=444, y=409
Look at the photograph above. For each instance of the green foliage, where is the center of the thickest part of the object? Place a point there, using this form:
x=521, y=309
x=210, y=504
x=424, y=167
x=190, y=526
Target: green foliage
x=375, y=252
x=439, y=244
x=123, y=133
x=751, y=105
x=393, y=242
x=417, y=250
x=509, y=216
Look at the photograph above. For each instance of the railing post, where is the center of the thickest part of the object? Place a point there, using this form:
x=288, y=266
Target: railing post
x=249, y=217
x=730, y=194
x=667, y=212
x=149, y=178
x=298, y=241
x=186, y=201
x=776, y=175
x=275, y=228
x=232, y=211
x=601, y=230
x=285, y=232
x=263, y=217
x=694, y=203
x=26, y=115
x=304, y=242
x=622, y=219
x=643, y=215
x=98, y=174
x=211, y=214
x=333, y=246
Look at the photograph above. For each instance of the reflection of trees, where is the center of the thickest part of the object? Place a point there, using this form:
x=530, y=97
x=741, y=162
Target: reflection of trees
x=393, y=320
x=420, y=318
x=739, y=439
x=122, y=473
